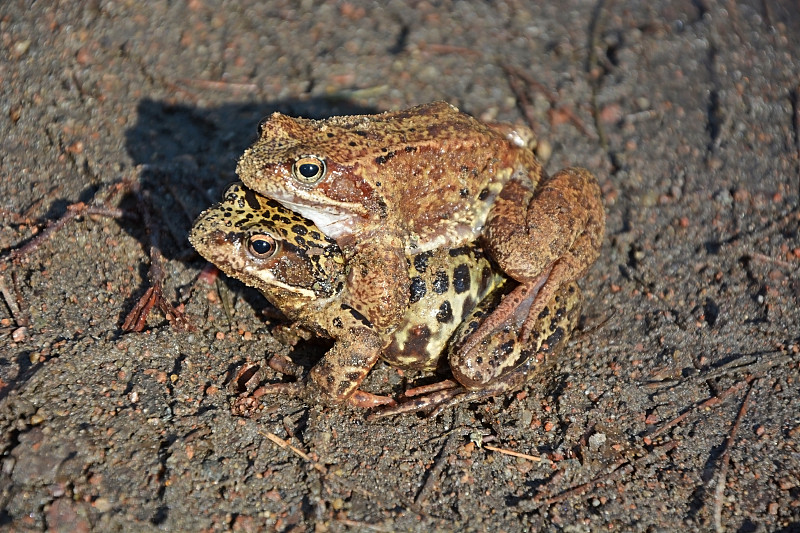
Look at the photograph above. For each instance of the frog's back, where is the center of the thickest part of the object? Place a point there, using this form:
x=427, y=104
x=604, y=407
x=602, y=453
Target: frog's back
x=429, y=173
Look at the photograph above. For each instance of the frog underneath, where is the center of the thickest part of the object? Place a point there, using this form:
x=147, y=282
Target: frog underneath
x=303, y=274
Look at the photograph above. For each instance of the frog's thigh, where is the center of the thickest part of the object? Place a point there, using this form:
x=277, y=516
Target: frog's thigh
x=527, y=231
x=339, y=373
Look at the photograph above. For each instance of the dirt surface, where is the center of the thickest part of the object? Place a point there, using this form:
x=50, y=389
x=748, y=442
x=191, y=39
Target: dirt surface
x=675, y=407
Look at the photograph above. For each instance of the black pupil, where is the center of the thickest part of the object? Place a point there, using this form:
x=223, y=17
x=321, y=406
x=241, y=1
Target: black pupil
x=309, y=170
x=261, y=246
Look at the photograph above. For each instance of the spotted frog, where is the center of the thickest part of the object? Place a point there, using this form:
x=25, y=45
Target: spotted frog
x=303, y=273
x=402, y=183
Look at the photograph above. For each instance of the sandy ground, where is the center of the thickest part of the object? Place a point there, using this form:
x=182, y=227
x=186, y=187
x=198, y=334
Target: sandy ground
x=675, y=408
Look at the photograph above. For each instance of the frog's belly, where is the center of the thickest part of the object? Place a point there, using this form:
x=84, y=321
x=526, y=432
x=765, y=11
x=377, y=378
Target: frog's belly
x=422, y=337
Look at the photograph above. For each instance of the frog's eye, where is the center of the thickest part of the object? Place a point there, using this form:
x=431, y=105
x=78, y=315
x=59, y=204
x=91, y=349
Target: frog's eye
x=309, y=169
x=262, y=246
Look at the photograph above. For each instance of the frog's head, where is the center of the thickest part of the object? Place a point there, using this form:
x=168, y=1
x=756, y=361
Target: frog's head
x=258, y=241
x=317, y=169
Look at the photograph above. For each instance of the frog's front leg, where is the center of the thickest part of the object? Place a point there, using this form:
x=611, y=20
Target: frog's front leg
x=378, y=285
x=340, y=372
x=543, y=239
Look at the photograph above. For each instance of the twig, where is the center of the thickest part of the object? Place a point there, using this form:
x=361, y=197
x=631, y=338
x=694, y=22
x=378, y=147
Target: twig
x=774, y=260
x=714, y=400
x=300, y=453
x=513, y=453
x=433, y=473
x=719, y=491
x=621, y=467
x=220, y=85
x=12, y=301
x=527, y=108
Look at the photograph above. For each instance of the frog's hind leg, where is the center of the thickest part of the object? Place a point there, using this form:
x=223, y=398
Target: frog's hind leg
x=512, y=368
x=544, y=239
x=439, y=400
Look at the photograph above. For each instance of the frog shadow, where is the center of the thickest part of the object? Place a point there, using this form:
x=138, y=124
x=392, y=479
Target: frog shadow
x=187, y=158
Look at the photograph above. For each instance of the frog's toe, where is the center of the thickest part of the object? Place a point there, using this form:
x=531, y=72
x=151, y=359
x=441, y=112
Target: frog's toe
x=367, y=400
x=284, y=365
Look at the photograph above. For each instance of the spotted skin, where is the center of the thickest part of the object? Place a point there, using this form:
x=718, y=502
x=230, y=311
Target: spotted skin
x=304, y=276
x=303, y=273
x=394, y=184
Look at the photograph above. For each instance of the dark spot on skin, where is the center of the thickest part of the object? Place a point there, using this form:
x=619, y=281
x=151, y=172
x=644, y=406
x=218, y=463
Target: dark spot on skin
x=418, y=289
x=300, y=241
x=445, y=314
x=461, y=250
x=483, y=195
x=486, y=275
x=507, y=347
x=337, y=322
x=383, y=209
x=560, y=312
x=553, y=340
x=416, y=344
x=252, y=200
x=330, y=134
x=378, y=184
x=544, y=314
x=384, y=158
x=353, y=376
x=410, y=149
x=421, y=261
x=358, y=316
x=353, y=143
x=461, y=281
x=316, y=236
x=464, y=192
x=441, y=282
x=479, y=360
x=469, y=303
x=342, y=389
x=361, y=133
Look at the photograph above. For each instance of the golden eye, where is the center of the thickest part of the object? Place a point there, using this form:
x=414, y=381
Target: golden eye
x=262, y=246
x=309, y=169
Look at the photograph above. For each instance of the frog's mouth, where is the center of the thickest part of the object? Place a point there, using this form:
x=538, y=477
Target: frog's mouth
x=333, y=222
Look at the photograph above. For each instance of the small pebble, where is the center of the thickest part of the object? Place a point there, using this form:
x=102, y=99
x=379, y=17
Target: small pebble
x=19, y=334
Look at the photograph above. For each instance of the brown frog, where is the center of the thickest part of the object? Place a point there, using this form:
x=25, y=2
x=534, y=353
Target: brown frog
x=387, y=185
x=303, y=274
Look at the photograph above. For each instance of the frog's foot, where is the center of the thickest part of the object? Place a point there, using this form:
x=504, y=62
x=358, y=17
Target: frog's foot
x=303, y=388
x=451, y=394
